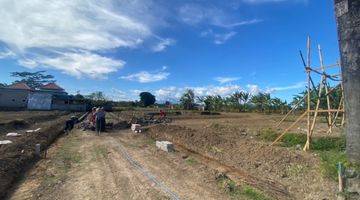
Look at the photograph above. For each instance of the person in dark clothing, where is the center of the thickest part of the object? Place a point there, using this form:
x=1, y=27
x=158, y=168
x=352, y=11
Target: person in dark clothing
x=100, y=120
x=69, y=124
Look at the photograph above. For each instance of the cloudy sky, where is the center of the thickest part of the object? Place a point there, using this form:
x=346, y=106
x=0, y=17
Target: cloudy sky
x=123, y=47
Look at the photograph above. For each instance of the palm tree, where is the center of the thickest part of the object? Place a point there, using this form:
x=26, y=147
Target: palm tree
x=188, y=99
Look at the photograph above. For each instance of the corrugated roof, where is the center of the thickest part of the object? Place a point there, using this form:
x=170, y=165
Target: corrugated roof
x=51, y=86
x=21, y=86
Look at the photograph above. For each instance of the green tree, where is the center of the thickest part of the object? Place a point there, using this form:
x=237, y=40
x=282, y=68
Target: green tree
x=97, y=96
x=241, y=100
x=188, y=99
x=147, y=99
x=33, y=79
x=262, y=101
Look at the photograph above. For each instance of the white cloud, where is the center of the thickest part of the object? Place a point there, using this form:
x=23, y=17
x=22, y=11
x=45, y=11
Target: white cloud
x=253, y=89
x=219, y=38
x=147, y=77
x=195, y=14
x=81, y=24
x=29, y=63
x=241, y=23
x=6, y=54
x=222, y=38
x=120, y=95
x=68, y=35
x=174, y=93
x=289, y=87
x=223, y=80
x=83, y=63
x=163, y=44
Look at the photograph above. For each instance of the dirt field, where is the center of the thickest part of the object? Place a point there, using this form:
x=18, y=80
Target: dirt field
x=98, y=169
x=19, y=155
x=123, y=165
x=232, y=140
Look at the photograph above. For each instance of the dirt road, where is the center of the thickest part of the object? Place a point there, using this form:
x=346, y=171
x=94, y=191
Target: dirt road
x=118, y=165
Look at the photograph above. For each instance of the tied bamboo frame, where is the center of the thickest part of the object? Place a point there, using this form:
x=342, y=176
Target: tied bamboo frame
x=332, y=114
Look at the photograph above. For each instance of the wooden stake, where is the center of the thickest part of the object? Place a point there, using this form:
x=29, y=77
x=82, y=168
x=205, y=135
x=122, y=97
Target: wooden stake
x=308, y=141
x=336, y=114
x=295, y=106
x=308, y=89
x=326, y=89
x=290, y=127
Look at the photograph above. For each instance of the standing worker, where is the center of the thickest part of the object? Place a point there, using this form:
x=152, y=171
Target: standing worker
x=100, y=120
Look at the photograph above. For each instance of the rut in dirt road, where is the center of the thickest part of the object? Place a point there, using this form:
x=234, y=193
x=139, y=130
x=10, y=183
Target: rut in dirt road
x=116, y=165
x=145, y=172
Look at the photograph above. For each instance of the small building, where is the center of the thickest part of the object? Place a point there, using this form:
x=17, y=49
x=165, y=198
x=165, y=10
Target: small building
x=15, y=96
x=47, y=97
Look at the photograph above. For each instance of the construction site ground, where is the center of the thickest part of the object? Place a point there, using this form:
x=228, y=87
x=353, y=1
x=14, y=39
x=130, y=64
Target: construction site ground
x=120, y=164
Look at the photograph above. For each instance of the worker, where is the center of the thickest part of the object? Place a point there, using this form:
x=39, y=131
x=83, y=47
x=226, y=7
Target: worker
x=162, y=114
x=69, y=124
x=90, y=121
x=100, y=120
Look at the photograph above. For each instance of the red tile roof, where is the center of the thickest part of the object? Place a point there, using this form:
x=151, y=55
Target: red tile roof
x=22, y=86
x=51, y=86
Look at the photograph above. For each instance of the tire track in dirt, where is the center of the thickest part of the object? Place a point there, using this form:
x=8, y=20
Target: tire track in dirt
x=159, y=184
x=107, y=176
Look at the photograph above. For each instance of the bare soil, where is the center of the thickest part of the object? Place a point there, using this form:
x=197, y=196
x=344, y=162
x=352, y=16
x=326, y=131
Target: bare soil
x=102, y=172
x=16, y=157
x=122, y=165
x=232, y=139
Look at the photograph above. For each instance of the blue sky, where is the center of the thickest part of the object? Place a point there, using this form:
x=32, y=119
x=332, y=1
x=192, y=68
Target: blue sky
x=123, y=47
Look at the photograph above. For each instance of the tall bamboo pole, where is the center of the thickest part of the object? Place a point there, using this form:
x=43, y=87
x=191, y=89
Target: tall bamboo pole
x=308, y=88
x=326, y=89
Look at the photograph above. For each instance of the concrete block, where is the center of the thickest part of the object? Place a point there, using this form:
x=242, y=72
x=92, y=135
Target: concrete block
x=37, y=150
x=13, y=135
x=165, y=146
x=33, y=131
x=136, y=127
x=5, y=142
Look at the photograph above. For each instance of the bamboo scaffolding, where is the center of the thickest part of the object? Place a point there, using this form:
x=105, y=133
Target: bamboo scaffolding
x=312, y=114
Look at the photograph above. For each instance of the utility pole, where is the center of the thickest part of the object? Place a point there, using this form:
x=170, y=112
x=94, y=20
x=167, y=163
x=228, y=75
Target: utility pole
x=348, y=26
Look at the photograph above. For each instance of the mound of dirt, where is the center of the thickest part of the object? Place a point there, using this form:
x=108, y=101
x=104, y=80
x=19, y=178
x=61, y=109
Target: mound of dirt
x=295, y=169
x=16, y=157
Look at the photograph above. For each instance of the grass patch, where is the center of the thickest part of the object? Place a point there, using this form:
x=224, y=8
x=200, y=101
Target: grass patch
x=330, y=149
x=67, y=155
x=293, y=139
x=329, y=160
x=239, y=192
x=65, y=158
x=268, y=134
x=100, y=151
x=190, y=161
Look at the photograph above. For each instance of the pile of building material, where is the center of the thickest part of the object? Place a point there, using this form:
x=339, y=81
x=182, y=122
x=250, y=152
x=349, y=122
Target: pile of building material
x=165, y=146
x=136, y=128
